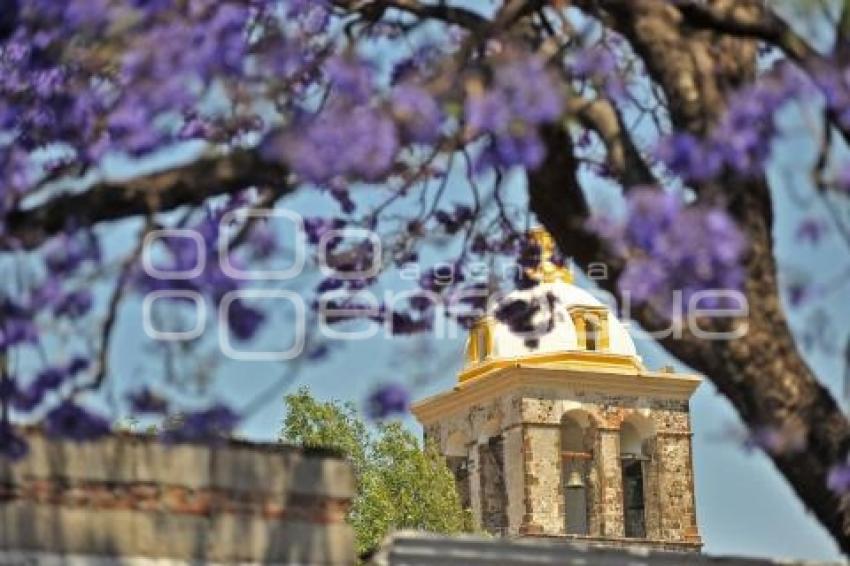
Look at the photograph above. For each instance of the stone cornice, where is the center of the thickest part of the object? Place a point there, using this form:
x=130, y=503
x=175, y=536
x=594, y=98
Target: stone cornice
x=510, y=379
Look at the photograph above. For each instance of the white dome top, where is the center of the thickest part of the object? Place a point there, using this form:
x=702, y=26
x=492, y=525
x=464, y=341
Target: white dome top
x=570, y=301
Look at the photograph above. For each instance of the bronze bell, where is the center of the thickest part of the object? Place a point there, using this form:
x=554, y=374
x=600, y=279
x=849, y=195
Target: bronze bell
x=574, y=480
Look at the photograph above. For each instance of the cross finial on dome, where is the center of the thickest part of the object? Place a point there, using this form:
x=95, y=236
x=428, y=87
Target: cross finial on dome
x=546, y=271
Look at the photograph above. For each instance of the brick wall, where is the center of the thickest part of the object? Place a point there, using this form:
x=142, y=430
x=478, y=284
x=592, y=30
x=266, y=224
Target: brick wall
x=132, y=496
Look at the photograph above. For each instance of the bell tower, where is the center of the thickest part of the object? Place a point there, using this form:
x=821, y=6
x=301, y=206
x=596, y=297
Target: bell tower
x=568, y=434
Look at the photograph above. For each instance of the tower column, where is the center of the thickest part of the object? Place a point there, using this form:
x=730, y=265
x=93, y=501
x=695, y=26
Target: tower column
x=611, y=482
x=475, y=484
x=676, y=486
x=543, y=493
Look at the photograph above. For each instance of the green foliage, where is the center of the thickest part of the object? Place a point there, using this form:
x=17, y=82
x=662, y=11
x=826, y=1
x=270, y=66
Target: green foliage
x=331, y=425
x=400, y=485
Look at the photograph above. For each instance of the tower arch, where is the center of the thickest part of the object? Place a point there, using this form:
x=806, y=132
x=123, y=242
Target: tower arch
x=636, y=432
x=576, y=433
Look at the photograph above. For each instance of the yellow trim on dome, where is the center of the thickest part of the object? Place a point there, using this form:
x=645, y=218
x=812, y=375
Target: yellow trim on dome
x=546, y=271
x=479, y=344
x=581, y=316
x=579, y=360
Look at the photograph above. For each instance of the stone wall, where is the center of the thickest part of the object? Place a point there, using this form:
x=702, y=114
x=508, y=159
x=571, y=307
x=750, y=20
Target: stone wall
x=408, y=548
x=131, y=496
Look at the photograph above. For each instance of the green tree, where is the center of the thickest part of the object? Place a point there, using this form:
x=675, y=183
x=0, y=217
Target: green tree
x=400, y=484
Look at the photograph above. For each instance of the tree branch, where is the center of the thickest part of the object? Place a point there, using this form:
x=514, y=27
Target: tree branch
x=601, y=116
x=158, y=192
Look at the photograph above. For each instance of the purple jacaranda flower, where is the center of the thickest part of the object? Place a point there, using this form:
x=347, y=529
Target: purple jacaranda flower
x=838, y=479
x=744, y=134
x=153, y=6
x=530, y=89
x=688, y=157
x=405, y=324
x=525, y=149
x=421, y=302
x=16, y=173
x=487, y=111
x=479, y=244
x=74, y=304
x=313, y=16
x=51, y=377
x=592, y=62
x=676, y=251
x=842, y=179
x=146, y=401
x=329, y=284
x=28, y=398
x=12, y=445
x=642, y=280
x=518, y=315
x=599, y=64
x=244, y=321
x=340, y=142
x=226, y=38
x=417, y=113
x=48, y=293
x=798, y=293
x=651, y=214
x=441, y=277
x=87, y=13
x=811, y=230
x=776, y=440
x=132, y=128
x=196, y=127
x=343, y=196
x=408, y=67
x=453, y=221
x=262, y=241
x=318, y=351
x=73, y=422
x=351, y=77
x=65, y=253
x=17, y=330
x=209, y=425
x=8, y=388
x=523, y=95
x=76, y=365
x=387, y=400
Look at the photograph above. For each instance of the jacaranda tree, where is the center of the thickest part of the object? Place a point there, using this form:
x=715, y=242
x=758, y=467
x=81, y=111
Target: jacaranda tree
x=420, y=118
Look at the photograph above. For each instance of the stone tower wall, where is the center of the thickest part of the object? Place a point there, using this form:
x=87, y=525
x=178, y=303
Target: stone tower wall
x=530, y=499
x=494, y=472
